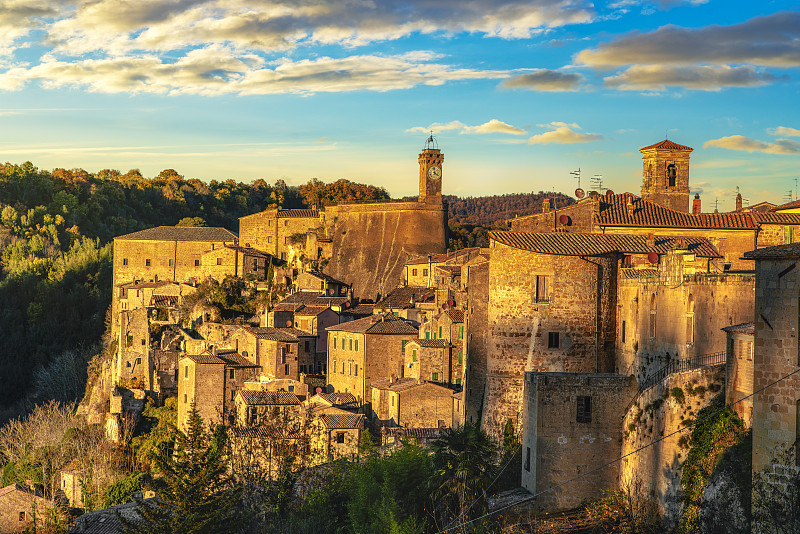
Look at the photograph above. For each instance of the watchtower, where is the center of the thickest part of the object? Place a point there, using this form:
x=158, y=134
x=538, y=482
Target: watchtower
x=665, y=174
x=430, y=172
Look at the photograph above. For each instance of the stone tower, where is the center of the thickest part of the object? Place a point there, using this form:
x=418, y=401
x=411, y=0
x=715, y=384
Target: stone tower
x=430, y=173
x=665, y=174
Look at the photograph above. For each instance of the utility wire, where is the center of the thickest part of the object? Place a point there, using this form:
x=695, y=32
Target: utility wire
x=620, y=458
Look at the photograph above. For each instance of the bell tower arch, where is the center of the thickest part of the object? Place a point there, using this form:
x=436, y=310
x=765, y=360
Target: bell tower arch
x=665, y=174
x=430, y=172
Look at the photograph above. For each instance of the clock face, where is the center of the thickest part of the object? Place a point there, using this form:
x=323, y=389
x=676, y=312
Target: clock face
x=434, y=173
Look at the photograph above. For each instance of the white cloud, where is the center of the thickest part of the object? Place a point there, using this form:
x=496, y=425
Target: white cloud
x=702, y=77
x=219, y=70
x=544, y=80
x=489, y=127
x=785, y=130
x=563, y=133
x=745, y=144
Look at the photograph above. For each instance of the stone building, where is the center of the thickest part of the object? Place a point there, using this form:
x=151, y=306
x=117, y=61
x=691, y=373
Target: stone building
x=434, y=360
x=262, y=407
x=322, y=283
x=209, y=382
x=19, y=506
x=665, y=172
x=421, y=271
x=276, y=231
x=366, y=349
x=572, y=425
x=739, y=369
x=553, y=306
x=336, y=435
x=409, y=302
x=412, y=403
x=235, y=260
x=475, y=291
x=776, y=381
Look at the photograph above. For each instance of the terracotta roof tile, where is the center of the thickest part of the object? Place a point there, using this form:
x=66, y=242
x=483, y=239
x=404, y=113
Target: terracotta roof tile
x=377, y=324
x=250, y=251
x=341, y=420
x=164, y=301
x=268, y=397
x=456, y=316
x=181, y=233
x=232, y=358
x=205, y=359
x=402, y=296
x=441, y=258
x=287, y=335
x=311, y=311
x=299, y=213
x=431, y=343
x=415, y=433
x=778, y=252
x=325, y=277
x=573, y=244
x=742, y=328
x=315, y=298
x=666, y=144
x=337, y=399
x=615, y=210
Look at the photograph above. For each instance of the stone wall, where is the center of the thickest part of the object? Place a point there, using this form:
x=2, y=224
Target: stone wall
x=739, y=375
x=475, y=280
x=580, y=315
x=17, y=509
x=424, y=406
x=372, y=242
x=560, y=444
x=133, y=366
x=580, y=219
x=656, y=414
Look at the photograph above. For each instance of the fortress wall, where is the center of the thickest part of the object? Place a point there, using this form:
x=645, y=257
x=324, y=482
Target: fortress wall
x=372, y=242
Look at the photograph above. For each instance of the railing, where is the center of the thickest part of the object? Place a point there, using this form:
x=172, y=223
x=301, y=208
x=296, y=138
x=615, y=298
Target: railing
x=678, y=366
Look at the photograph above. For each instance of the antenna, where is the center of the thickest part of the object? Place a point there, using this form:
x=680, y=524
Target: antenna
x=597, y=183
x=716, y=204
x=788, y=196
x=579, y=193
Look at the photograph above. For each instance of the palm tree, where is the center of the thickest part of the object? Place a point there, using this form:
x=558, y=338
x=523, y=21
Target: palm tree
x=464, y=464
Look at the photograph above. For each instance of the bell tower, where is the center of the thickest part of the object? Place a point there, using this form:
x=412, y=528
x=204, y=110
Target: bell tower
x=430, y=172
x=665, y=175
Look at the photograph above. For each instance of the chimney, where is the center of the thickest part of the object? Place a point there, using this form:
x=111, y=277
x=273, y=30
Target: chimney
x=545, y=205
x=651, y=241
x=696, y=210
x=738, y=202
x=629, y=205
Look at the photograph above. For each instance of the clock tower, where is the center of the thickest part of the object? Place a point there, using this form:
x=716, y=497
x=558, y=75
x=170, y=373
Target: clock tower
x=430, y=172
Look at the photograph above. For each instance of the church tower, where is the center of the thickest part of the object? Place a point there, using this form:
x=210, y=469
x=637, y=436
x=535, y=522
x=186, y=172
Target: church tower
x=430, y=173
x=665, y=175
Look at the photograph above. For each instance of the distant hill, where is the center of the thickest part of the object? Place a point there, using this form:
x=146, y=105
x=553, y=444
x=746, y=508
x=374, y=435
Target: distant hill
x=496, y=209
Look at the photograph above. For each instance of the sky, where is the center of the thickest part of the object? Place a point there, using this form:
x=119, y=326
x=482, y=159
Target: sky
x=519, y=93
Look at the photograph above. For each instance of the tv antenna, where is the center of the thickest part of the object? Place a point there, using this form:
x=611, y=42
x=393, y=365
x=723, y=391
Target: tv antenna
x=788, y=197
x=579, y=193
x=597, y=183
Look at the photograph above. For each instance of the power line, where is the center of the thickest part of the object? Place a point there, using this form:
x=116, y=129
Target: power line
x=620, y=458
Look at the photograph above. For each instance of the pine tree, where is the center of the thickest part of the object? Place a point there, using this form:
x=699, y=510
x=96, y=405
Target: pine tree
x=195, y=492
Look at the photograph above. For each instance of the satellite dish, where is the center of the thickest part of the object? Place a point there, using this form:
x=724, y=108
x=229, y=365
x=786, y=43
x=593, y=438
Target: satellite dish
x=289, y=323
x=609, y=193
x=652, y=257
x=451, y=303
x=247, y=245
x=330, y=291
x=580, y=193
x=244, y=353
x=318, y=390
x=347, y=304
x=564, y=219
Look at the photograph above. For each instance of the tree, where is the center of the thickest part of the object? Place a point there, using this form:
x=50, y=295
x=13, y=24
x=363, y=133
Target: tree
x=192, y=221
x=463, y=461
x=196, y=495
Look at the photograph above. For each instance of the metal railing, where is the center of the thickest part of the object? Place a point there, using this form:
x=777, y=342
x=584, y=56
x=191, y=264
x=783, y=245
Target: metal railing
x=702, y=361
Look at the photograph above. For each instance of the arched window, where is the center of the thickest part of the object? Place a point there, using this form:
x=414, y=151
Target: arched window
x=671, y=174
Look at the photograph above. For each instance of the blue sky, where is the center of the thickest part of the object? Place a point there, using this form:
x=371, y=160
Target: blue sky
x=519, y=93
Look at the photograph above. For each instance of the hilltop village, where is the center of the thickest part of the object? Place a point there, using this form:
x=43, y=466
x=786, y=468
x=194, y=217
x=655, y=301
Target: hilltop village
x=574, y=327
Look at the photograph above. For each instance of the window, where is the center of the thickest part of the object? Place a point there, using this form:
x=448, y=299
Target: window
x=283, y=354
x=308, y=346
x=414, y=355
x=124, y=261
x=334, y=366
x=171, y=262
x=269, y=223
x=334, y=342
x=138, y=361
x=413, y=272
x=461, y=357
x=343, y=370
x=351, y=368
x=458, y=381
x=356, y=370
x=435, y=376
x=233, y=396
x=286, y=369
x=340, y=437
x=528, y=459
x=351, y=343
x=403, y=347
x=147, y=262
x=356, y=344
x=143, y=342
x=197, y=263
x=291, y=389
x=184, y=398
x=285, y=240
x=427, y=335
x=584, y=414
x=22, y=516
x=392, y=400
x=186, y=372
x=219, y=261
x=269, y=238
x=461, y=331
x=440, y=332
x=283, y=255
x=255, y=264
x=623, y=331
x=553, y=341
x=286, y=222
x=424, y=272
x=671, y=175
x=231, y=374
x=542, y=289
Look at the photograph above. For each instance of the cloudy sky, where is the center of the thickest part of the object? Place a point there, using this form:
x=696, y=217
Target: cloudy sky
x=519, y=93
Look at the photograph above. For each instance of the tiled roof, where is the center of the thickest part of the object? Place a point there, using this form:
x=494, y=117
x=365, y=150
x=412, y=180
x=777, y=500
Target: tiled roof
x=441, y=258
x=631, y=273
x=232, y=358
x=164, y=301
x=415, y=433
x=311, y=311
x=742, y=328
x=401, y=297
x=288, y=306
x=181, y=233
x=342, y=420
x=788, y=205
x=205, y=358
x=614, y=210
x=315, y=298
x=141, y=284
x=399, y=384
x=286, y=335
x=776, y=218
x=777, y=252
x=105, y=521
x=250, y=251
x=431, y=343
x=325, y=277
x=18, y=487
x=666, y=144
x=298, y=213
x=573, y=244
x=376, y=324
x=456, y=316
x=337, y=399
x=268, y=397
x=452, y=269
